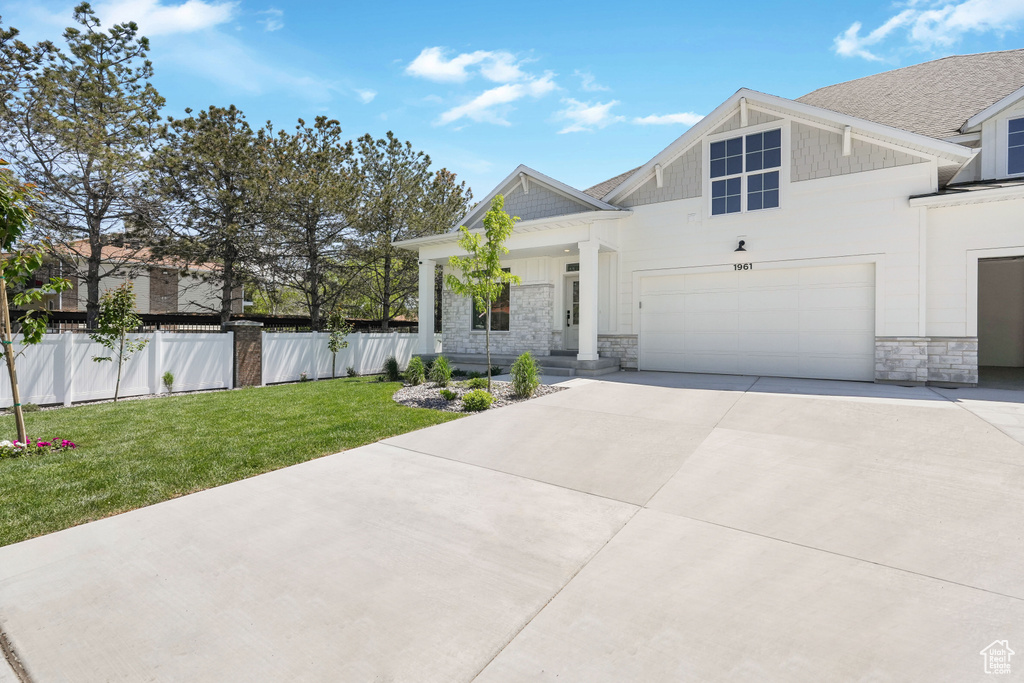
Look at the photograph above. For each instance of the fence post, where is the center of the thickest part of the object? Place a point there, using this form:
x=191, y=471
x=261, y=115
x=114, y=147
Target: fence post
x=314, y=346
x=67, y=366
x=156, y=362
x=248, y=353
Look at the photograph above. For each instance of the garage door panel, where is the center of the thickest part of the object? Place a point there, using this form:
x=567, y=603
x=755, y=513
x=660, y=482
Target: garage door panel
x=798, y=322
x=768, y=343
x=714, y=342
x=844, y=343
x=712, y=362
x=769, y=321
x=841, y=320
x=837, y=297
x=711, y=301
x=769, y=300
x=711, y=321
x=709, y=282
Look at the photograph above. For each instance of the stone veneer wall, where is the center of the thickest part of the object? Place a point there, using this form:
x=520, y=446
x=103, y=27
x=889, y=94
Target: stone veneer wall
x=530, y=313
x=924, y=360
x=625, y=347
x=953, y=360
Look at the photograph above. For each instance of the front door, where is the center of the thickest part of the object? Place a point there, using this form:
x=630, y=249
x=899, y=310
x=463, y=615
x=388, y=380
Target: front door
x=572, y=314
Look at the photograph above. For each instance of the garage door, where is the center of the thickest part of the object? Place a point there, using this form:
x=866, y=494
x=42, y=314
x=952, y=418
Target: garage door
x=785, y=322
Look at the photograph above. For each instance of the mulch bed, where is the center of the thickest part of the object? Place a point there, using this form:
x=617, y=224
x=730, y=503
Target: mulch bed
x=428, y=395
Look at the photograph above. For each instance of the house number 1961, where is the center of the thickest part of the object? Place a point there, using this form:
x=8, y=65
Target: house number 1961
x=743, y=266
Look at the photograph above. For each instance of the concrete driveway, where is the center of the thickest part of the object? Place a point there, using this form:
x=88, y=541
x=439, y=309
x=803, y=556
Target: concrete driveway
x=646, y=527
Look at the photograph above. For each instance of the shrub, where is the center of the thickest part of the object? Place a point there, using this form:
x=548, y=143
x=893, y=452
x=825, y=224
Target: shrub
x=474, y=374
x=304, y=377
x=525, y=377
x=441, y=371
x=382, y=378
x=495, y=370
x=457, y=372
x=449, y=395
x=168, y=379
x=30, y=408
x=392, y=372
x=415, y=372
x=477, y=383
x=351, y=371
x=477, y=400
x=14, y=449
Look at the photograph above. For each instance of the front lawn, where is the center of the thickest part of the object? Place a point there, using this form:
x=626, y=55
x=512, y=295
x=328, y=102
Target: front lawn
x=138, y=453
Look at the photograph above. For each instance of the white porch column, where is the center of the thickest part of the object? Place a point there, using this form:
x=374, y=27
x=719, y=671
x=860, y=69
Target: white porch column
x=588, y=300
x=425, y=343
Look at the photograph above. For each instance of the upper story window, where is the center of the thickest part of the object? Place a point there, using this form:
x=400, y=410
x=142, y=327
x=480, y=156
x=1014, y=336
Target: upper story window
x=1015, y=147
x=741, y=169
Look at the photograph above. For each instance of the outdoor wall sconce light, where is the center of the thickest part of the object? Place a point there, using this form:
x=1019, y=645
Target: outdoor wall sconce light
x=740, y=248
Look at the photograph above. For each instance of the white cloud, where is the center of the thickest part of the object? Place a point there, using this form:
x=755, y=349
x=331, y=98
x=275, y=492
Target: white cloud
x=366, y=96
x=930, y=25
x=684, y=118
x=587, y=82
x=155, y=18
x=584, y=116
x=238, y=68
x=497, y=66
x=273, y=19
x=491, y=105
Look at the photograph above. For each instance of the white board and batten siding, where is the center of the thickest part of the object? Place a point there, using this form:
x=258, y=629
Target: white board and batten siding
x=788, y=322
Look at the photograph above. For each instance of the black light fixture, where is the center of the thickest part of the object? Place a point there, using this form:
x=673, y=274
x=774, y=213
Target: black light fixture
x=740, y=248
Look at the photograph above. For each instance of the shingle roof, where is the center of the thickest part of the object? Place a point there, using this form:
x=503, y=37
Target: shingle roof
x=601, y=189
x=935, y=98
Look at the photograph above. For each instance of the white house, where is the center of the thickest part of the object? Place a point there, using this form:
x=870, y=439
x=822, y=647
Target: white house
x=870, y=230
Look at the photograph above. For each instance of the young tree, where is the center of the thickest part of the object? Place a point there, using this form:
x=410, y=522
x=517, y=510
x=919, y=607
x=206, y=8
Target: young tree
x=483, y=277
x=398, y=198
x=210, y=173
x=16, y=212
x=117, y=319
x=311, y=187
x=79, y=128
x=337, y=328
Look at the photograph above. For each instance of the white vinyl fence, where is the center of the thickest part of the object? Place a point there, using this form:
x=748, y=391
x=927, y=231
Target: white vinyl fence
x=61, y=369
x=286, y=355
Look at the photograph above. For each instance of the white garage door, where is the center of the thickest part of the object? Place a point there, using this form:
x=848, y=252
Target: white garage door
x=785, y=322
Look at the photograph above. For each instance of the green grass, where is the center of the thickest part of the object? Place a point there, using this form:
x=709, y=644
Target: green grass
x=137, y=453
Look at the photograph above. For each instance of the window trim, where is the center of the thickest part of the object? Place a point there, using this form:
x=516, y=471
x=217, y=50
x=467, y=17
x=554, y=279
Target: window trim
x=782, y=124
x=1006, y=145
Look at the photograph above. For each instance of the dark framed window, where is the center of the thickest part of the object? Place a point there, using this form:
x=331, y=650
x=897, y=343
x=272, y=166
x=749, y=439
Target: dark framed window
x=500, y=311
x=746, y=162
x=1015, y=147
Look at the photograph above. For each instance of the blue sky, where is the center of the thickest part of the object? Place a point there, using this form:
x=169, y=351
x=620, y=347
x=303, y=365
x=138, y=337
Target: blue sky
x=579, y=91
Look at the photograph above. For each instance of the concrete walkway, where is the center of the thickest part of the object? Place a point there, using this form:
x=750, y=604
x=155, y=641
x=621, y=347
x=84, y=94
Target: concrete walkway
x=640, y=527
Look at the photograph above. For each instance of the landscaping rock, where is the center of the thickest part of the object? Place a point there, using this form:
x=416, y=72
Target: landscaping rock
x=428, y=395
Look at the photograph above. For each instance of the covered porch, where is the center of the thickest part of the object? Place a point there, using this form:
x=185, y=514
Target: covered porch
x=556, y=307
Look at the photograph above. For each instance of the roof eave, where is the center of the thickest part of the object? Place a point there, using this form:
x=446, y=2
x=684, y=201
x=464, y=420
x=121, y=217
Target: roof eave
x=484, y=205
x=521, y=227
x=939, y=147
x=993, y=109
